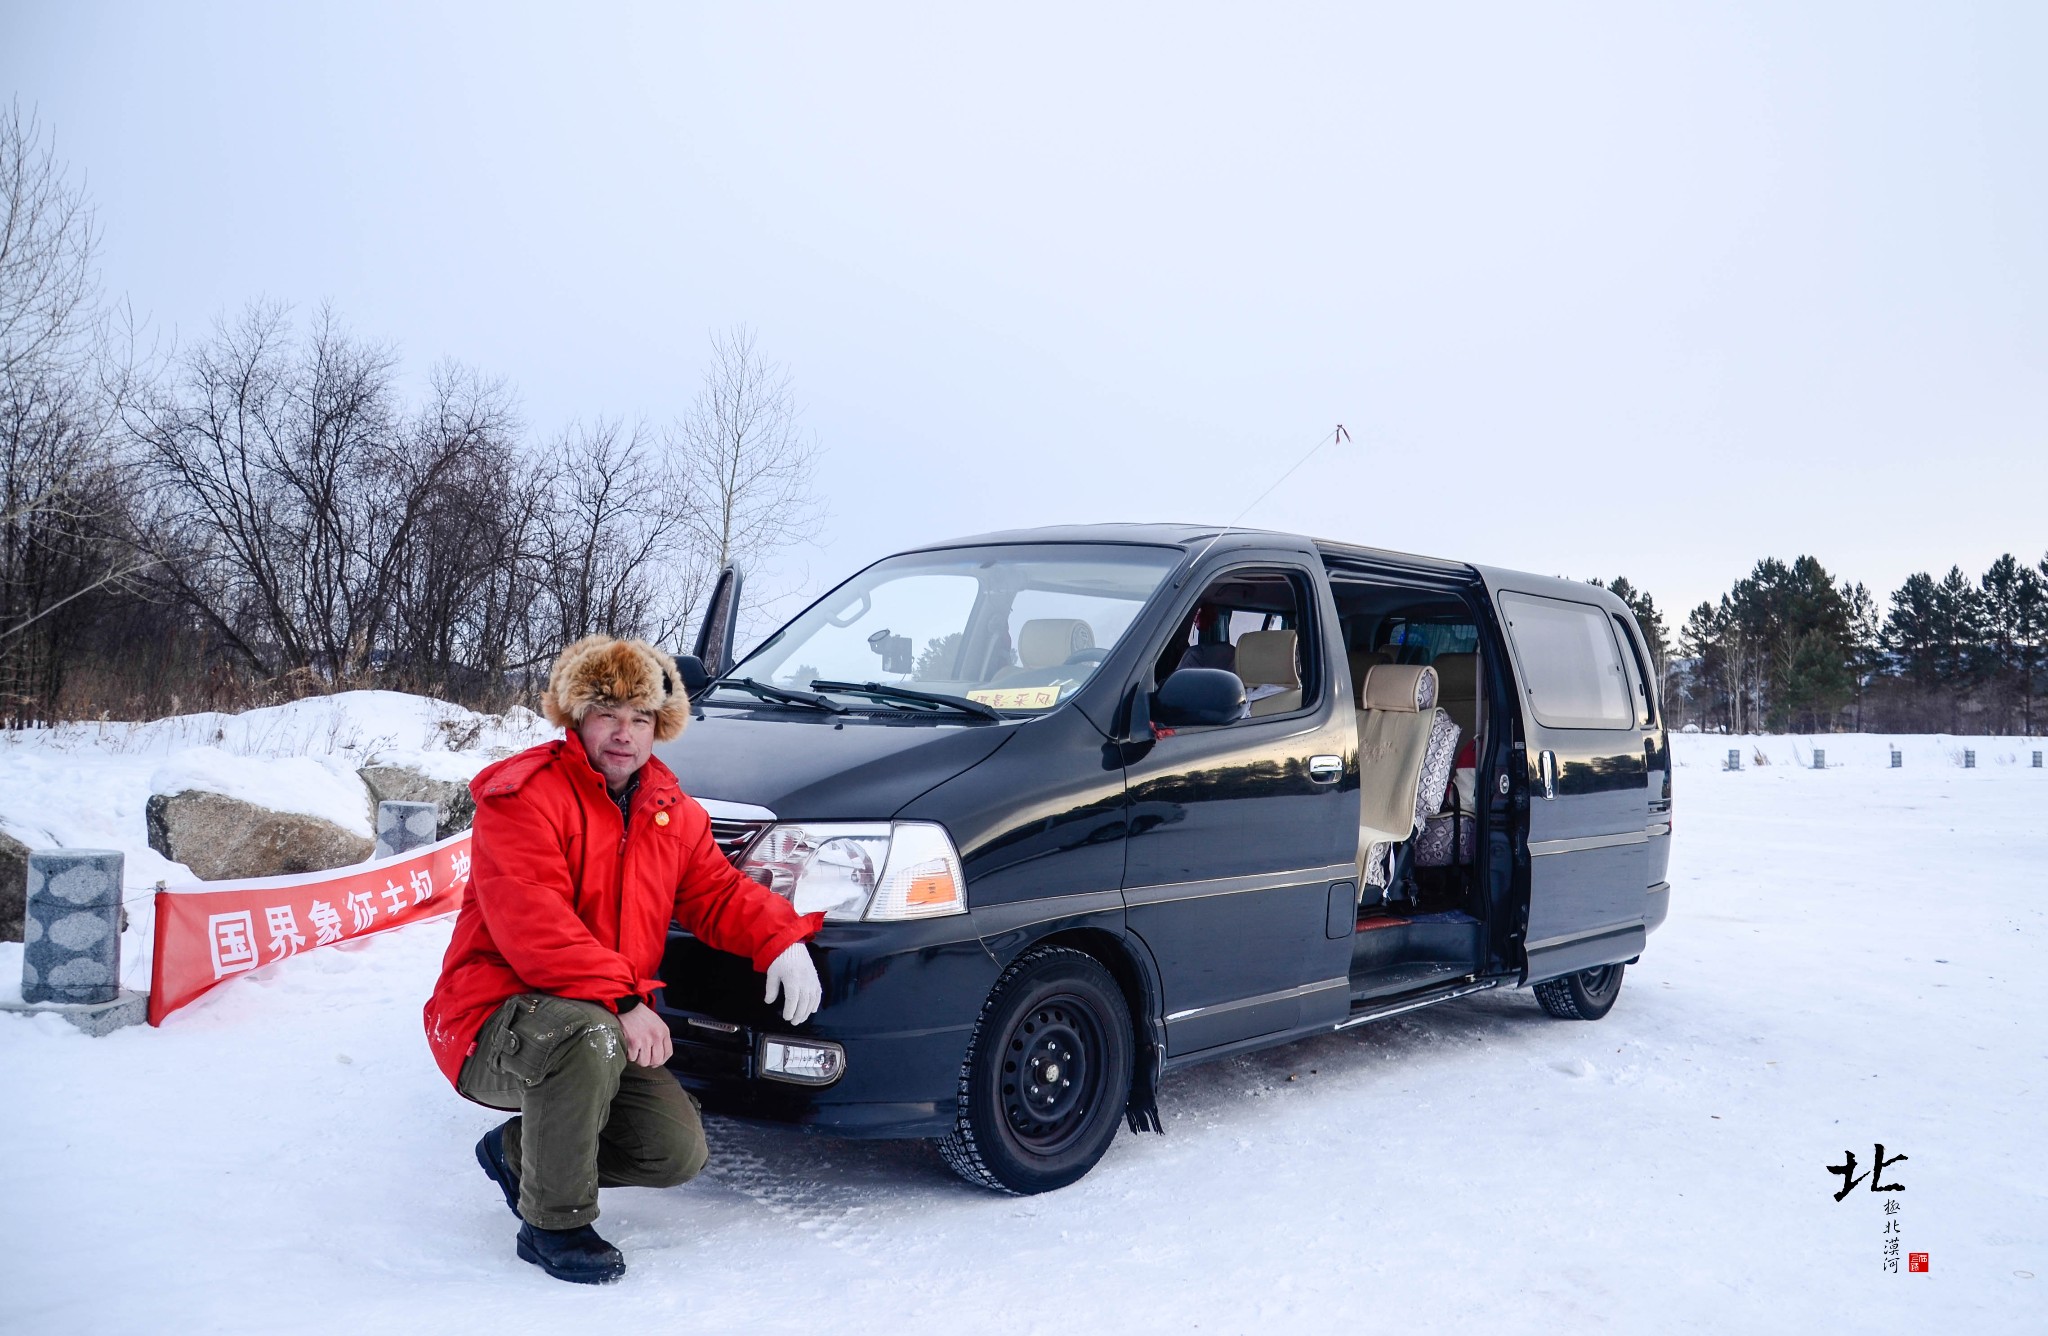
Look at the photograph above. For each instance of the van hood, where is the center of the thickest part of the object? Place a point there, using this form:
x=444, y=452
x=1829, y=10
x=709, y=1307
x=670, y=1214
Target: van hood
x=824, y=768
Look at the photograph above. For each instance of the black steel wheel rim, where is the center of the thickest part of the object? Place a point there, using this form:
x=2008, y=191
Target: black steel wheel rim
x=1051, y=1074
x=1600, y=981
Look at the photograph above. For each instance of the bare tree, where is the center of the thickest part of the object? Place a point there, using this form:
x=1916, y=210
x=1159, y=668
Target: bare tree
x=614, y=511
x=291, y=490
x=62, y=499
x=743, y=447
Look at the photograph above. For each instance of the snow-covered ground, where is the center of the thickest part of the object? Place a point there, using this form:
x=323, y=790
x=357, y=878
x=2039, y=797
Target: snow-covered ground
x=1849, y=960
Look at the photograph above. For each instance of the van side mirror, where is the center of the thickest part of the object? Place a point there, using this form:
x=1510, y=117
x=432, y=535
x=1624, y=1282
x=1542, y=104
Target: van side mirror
x=695, y=677
x=1195, y=696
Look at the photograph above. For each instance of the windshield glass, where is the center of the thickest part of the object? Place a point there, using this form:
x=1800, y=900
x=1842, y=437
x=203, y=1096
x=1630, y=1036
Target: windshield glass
x=1018, y=628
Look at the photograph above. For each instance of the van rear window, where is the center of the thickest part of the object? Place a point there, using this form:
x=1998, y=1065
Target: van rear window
x=1570, y=666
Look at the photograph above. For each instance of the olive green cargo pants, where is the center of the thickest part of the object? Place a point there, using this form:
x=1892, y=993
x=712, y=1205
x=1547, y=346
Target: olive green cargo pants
x=588, y=1118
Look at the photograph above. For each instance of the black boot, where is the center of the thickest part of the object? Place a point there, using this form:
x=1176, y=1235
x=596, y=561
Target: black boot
x=490, y=1153
x=577, y=1255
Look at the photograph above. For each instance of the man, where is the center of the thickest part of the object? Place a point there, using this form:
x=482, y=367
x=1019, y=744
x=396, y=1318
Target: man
x=583, y=850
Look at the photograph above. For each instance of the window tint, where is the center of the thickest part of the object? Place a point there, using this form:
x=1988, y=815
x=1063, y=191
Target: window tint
x=1632, y=659
x=1571, y=666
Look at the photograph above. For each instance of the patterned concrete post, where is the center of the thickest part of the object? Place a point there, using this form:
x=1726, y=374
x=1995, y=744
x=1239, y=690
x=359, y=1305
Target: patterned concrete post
x=2037, y=760
x=1820, y=759
x=403, y=827
x=71, y=940
x=1969, y=759
x=1898, y=759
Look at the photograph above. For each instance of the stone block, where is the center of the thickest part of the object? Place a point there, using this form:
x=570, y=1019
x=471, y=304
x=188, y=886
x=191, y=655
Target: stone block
x=454, y=807
x=403, y=827
x=95, y=1018
x=71, y=937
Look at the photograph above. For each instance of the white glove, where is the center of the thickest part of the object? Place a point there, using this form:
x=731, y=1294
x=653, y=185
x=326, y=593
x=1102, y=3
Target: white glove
x=796, y=979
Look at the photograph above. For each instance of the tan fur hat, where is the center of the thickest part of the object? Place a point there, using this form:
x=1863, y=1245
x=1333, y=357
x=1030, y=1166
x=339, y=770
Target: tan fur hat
x=601, y=670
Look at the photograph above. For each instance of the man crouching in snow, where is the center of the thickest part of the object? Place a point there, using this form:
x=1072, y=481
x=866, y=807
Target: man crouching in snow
x=582, y=852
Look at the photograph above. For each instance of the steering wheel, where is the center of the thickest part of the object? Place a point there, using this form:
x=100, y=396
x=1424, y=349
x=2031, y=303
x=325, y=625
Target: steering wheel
x=1086, y=656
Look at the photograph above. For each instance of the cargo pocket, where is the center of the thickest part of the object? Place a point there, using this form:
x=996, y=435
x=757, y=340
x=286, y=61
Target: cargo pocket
x=527, y=1045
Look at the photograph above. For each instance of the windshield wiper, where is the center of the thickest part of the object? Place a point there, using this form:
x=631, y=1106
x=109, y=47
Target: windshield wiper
x=781, y=695
x=890, y=694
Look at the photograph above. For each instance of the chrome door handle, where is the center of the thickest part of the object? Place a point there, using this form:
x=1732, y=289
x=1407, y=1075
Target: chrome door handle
x=1546, y=765
x=1325, y=769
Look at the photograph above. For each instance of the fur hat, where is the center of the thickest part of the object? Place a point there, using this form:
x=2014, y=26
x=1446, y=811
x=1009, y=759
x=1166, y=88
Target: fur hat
x=600, y=670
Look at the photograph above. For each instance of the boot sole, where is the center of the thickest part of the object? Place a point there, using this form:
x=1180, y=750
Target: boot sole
x=604, y=1277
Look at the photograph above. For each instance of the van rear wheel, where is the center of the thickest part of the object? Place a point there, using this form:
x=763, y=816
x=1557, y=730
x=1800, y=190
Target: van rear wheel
x=1047, y=1075
x=1585, y=996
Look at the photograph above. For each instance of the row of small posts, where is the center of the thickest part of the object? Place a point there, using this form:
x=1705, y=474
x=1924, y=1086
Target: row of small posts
x=71, y=927
x=1820, y=759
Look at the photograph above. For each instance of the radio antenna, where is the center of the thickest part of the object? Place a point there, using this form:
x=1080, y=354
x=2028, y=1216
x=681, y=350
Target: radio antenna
x=1339, y=434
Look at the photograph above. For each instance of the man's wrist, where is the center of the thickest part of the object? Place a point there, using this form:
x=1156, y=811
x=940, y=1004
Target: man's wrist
x=628, y=1002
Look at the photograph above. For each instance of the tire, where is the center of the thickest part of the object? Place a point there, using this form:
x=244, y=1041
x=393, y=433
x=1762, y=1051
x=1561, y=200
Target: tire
x=1058, y=1016
x=1585, y=996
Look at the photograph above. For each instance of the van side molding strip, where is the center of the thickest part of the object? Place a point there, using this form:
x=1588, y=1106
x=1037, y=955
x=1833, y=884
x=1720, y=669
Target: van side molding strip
x=1281, y=995
x=1538, y=848
x=1165, y=892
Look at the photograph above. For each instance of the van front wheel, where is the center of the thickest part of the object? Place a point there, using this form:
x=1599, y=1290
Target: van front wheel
x=1585, y=996
x=1047, y=1075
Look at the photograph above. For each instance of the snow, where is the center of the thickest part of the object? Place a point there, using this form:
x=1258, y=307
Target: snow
x=1849, y=960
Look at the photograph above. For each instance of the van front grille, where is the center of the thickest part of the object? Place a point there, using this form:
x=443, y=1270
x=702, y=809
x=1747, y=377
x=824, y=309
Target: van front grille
x=734, y=837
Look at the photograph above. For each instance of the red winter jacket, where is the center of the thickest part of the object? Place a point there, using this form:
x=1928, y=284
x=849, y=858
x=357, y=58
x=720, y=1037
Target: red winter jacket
x=565, y=898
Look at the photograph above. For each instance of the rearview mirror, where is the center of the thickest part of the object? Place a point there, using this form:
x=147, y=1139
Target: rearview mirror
x=1195, y=696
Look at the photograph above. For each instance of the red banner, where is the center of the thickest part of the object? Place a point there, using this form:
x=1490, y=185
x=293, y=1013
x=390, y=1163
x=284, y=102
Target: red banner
x=210, y=932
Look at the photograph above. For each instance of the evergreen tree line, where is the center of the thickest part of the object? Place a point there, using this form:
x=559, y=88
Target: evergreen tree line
x=272, y=510
x=1790, y=648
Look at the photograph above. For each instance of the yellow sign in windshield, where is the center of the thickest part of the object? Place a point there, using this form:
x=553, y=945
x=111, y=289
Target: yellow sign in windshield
x=1019, y=698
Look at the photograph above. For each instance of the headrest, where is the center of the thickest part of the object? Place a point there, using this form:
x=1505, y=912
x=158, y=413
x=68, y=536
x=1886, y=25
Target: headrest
x=1363, y=661
x=1267, y=658
x=1404, y=687
x=1457, y=676
x=1047, y=642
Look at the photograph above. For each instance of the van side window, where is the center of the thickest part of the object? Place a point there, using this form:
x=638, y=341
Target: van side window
x=1570, y=664
x=1638, y=672
x=1250, y=622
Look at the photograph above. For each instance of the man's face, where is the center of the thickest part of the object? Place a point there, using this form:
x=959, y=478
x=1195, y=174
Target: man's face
x=618, y=741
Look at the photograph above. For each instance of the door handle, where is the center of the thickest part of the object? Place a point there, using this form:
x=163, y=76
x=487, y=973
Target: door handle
x=1546, y=766
x=1325, y=769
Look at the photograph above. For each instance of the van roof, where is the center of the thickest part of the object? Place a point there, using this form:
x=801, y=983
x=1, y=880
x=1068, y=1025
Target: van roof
x=1190, y=535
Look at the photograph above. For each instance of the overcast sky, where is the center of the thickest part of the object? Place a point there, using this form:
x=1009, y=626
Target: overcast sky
x=1596, y=289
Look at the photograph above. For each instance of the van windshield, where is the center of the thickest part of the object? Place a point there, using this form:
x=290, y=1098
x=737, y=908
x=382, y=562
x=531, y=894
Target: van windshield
x=1016, y=628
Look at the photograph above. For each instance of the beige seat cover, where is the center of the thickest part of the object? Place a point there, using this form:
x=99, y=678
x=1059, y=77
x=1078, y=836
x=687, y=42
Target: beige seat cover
x=1266, y=659
x=1048, y=642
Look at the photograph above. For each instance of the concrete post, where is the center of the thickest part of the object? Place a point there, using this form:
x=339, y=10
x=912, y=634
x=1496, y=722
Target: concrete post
x=403, y=827
x=1898, y=759
x=2037, y=760
x=1734, y=760
x=1969, y=759
x=71, y=940
x=1820, y=759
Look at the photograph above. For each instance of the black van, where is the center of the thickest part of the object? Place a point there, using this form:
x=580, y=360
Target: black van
x=1084, y=805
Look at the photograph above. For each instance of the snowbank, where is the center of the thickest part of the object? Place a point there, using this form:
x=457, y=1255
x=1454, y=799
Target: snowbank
x=1917, y=751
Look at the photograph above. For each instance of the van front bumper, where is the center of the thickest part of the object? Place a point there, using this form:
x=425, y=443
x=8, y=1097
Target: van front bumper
x=900, y=1001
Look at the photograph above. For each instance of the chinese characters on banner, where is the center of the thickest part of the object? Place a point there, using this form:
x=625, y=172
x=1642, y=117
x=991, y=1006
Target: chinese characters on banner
x=215, y=930
x=1876, y=1174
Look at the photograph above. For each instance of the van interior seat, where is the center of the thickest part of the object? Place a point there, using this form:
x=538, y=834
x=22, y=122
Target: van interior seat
x=1457, y=679
x=1405, y=745
x=1048, y=642
x=1266, y=659
x=1363, y=661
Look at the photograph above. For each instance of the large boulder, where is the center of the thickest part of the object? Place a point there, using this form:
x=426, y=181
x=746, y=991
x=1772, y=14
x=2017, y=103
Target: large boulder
x=219, y=837
x=13, y=886
x=454, y=808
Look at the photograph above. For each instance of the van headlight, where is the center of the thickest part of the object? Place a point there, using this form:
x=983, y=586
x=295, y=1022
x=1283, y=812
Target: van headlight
x=877, y=871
